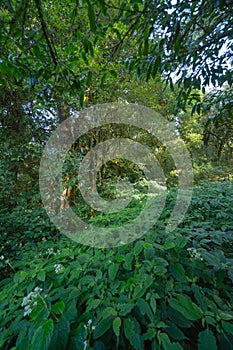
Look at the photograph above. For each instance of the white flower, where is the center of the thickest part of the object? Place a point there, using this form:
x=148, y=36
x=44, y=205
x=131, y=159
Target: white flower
x=89, y=323
x=27, y=312
x=30, y=300
x=49, y=251
x=25, y=301
x=59, y=268
x=2, y=257
x=194, y=254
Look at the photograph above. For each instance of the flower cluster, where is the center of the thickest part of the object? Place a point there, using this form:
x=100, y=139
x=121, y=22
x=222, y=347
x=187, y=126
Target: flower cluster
x=194, y=254
x=50, y=251
x=30, y=300
x=59, y=268
x=89, y=325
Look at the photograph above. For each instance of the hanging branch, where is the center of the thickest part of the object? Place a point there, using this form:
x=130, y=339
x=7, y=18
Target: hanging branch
x=45, y=32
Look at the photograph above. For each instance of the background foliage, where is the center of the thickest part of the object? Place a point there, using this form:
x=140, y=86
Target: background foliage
x=164, y=291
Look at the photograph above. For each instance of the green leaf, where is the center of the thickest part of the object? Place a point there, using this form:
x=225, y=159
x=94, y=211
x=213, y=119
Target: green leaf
x=91, y=16
x=206, y=340
x=38, y=315
x=145, y=309
x=225, y=316
x=41, y=275
x=89, y=77
x=125, y=309
x=102, y=327
x=138, y=247
x=178, y=272
x=71, y=312
x=174, y=331
x=98, y=345
x=153, y=304
x=20, y=276
x=167, y=345
x=60, y=335
x=169, y=245
x=116, y=326
x=113, y=73
x=59, y=307
x=81, y=336
x=128, y=328
x=107, y=312
x=112, y=271
x=93, y=304
x=228, y=327
x=186, y=307
x=42, y=336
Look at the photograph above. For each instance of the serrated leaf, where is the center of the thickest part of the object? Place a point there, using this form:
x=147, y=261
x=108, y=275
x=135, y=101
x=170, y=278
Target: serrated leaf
x=80, y=336
x=59, y=307
x=128, y=328
x=107, y=312
x=167, y=345
x=178, y=272
x=41, y=275
x=228, y=327
x=189, y=311
x=42, y=336
x=153, y=304
x=169, y=245
x=112, y=271
x=174, y=331
x=145, y=309
x=206, y=340
x=38, y=315
x=116, y=326
x=93, y=304
x=20, y=276
x=60, y=335
x=102, y=327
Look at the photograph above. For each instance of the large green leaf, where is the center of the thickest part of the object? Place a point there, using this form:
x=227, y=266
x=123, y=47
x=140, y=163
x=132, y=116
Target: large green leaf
x=112, y=271
x=102, y=327
x=167, y=344
x=206, y=340
x=145, y=309
x=116, y=326
x=42, y=336
x=60, y=335
x=186, y=307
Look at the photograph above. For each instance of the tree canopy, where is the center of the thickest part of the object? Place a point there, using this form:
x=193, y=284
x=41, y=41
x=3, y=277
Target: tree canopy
x=53, y=45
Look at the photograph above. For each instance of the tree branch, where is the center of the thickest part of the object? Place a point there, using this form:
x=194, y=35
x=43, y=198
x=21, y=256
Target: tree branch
x=45, y=32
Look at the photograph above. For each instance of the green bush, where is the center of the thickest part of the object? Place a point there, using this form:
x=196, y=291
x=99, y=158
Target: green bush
x=163, y=291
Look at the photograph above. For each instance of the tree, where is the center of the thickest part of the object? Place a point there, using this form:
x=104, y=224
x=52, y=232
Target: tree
x=55, y=44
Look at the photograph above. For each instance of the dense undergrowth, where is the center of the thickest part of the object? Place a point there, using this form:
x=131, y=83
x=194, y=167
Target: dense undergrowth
x=163, y=291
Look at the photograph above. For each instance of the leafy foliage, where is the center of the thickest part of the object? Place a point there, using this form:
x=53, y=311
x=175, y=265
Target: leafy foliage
x=164, y=291
x=161, y=292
